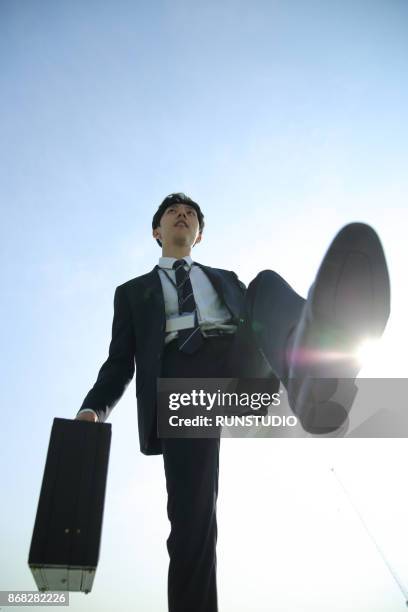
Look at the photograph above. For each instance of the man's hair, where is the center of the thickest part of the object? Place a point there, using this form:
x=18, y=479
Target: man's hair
x=176, y=198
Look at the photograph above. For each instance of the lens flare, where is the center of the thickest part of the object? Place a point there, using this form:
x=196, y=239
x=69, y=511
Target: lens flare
x=367, y=352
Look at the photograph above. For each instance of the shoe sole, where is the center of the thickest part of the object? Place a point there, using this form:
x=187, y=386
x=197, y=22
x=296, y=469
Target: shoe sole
x=351, y=298
x=352, y=287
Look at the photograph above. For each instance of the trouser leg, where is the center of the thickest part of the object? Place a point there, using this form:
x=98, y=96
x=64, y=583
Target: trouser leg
x=272, y=309
x=192, y=468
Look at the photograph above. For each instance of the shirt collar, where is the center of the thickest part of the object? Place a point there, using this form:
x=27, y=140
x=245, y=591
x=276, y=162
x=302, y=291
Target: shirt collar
x=167, y=262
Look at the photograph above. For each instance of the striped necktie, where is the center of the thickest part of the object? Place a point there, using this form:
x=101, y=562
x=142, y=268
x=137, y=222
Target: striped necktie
x=189, y=340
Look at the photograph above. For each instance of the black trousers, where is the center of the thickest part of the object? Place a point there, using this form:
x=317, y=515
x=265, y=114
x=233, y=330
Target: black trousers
x=191, y=465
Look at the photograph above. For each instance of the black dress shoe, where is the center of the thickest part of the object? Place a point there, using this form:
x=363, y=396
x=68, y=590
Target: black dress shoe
x=348, y=303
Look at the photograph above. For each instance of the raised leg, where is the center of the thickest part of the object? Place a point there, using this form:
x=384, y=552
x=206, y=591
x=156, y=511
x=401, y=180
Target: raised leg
x=311, y=344
x=273, y=310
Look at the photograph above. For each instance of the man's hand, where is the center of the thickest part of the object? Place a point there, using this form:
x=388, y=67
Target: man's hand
x=87, y=416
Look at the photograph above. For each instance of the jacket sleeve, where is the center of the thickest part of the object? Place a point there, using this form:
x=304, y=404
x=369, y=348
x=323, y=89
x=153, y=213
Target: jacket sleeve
x=119, y=368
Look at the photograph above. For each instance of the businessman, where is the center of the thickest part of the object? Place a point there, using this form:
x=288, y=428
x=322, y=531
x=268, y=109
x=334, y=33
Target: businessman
x=184, y=319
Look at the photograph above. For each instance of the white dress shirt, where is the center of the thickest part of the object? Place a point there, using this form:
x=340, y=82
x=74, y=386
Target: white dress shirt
x=211, y=312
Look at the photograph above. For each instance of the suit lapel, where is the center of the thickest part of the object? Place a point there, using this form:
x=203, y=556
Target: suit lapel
x=218, y=281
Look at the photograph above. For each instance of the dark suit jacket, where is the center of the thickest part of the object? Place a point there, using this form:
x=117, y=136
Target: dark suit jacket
x=138, y=333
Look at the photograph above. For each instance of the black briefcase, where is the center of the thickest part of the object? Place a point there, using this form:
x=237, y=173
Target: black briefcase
x=66, y=538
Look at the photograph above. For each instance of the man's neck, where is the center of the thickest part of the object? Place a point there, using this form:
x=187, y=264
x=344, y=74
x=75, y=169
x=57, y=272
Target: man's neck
x=176, y=251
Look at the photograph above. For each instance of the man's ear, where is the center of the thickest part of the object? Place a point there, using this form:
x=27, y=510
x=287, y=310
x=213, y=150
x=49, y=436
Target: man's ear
x=198, y=239
x=156, y=233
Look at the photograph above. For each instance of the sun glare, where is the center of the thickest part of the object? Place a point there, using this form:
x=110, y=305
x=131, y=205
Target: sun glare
x=381, y=358
x=368, y=352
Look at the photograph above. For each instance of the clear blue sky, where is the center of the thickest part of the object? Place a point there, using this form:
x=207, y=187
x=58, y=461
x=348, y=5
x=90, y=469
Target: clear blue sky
x=284, y=120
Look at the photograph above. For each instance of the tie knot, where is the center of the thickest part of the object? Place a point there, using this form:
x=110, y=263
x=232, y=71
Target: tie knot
x=179, y=263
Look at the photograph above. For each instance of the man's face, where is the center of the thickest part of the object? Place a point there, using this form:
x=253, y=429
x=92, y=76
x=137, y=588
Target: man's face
x=178, y=226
